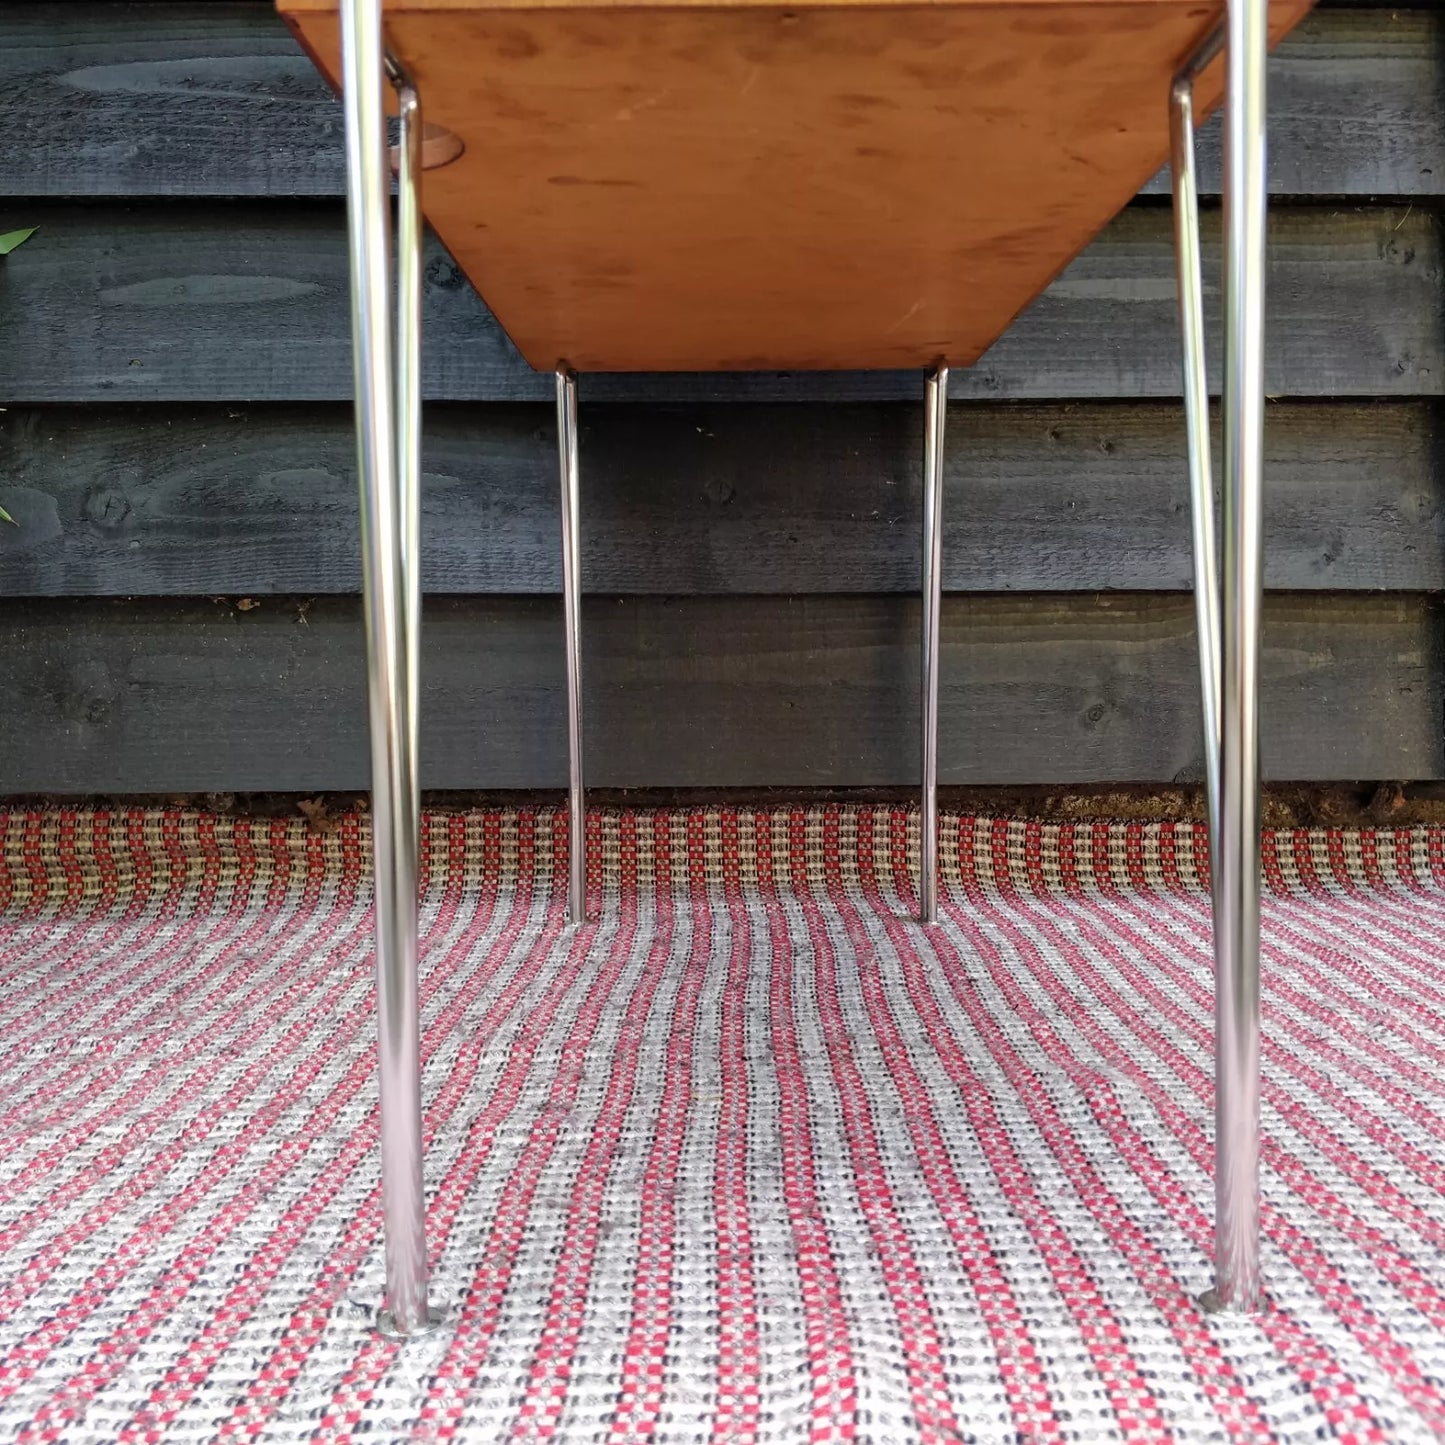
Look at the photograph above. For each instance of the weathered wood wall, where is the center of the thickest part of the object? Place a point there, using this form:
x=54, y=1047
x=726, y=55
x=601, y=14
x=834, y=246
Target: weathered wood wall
x=177, y=440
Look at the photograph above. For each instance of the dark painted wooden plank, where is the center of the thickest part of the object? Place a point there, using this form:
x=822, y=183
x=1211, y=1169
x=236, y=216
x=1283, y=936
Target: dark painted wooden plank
x=197, y=301
x=163, y=99
x=155, y=696
x=167, y=501
x=217, y=99
x=1356, y=107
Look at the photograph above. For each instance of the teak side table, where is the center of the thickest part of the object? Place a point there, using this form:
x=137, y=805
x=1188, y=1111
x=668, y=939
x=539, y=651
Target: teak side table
x=829, y=184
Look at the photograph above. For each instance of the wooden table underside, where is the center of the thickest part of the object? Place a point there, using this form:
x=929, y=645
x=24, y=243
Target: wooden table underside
x=849, y=185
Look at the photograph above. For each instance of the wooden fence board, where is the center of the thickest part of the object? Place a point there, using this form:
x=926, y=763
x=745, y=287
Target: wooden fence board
x=199, y=301
x=180, y=501
x=152, y=695
x=216, y=99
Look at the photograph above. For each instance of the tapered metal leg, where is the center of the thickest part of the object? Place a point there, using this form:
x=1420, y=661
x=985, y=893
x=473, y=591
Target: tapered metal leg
x=934, y=426
x=387, y=473
x=570, y=476
x=1196, y=416
x=408, y=385
x=1236, y=1170
x=1230, y=667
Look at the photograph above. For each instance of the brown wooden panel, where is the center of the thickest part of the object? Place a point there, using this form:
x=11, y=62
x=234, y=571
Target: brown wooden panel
x=816, y=187
x=215, y=98
x=143, y=697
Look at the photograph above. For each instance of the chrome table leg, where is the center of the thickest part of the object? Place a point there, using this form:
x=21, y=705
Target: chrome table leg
x=1196, y=411
x=570, y=476
x=1236, y=1170
x=934, y=426
x=1232, y=692
x=387, y=427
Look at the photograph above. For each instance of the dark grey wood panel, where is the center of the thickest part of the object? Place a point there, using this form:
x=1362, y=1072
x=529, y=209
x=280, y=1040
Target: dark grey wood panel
x=217, y=99
x=1356, y=108
x=154, y=696
x=163, y=99
x=202, y=301
x=167, y=501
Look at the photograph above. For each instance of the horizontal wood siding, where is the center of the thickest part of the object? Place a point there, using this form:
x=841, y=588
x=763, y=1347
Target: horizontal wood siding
x=214, y=99
x=712, y=500
x=703, y=692
x=203, y=301
x=177, y=595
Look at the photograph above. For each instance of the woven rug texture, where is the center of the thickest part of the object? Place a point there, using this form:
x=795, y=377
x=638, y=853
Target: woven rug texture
x=750, y=1157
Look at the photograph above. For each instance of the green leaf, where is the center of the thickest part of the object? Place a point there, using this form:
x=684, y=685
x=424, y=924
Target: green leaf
x=11, y=239
x=6, y=517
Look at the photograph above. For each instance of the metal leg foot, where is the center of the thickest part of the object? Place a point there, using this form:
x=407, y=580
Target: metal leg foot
x=935, y=423
x=570, y=475
x=387, y=429
x=1212, y=1302
x=1229, y=644
x=386, y=1324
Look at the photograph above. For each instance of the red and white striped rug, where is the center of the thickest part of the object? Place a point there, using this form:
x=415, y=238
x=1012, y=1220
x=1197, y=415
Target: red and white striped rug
x=752, y=1157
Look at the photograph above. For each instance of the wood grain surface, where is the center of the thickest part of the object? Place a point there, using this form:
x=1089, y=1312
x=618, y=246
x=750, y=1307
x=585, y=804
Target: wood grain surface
x=719, y=500
x=705, y=692
x=822, y=187
x=176, y=428
x=191, y=301
x=216, y=98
